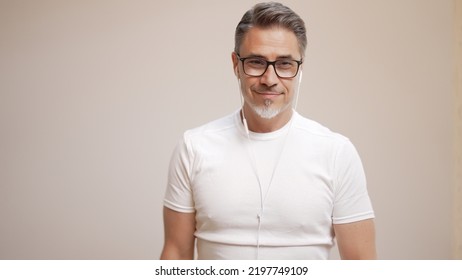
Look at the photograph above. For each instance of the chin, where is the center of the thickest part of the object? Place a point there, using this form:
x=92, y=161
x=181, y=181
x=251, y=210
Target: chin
x=268, y=112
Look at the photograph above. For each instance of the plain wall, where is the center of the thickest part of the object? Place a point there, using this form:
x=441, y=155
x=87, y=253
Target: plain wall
x=95, y=94
x=458, y=131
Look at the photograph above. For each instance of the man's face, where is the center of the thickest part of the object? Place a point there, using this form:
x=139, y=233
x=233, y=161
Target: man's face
x=267, y=95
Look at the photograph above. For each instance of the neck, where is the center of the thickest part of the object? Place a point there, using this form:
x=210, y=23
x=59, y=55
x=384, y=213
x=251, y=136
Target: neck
x=258, y=124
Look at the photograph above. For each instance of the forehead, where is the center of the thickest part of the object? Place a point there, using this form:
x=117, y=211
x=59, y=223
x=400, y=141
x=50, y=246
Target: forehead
x=270, y=42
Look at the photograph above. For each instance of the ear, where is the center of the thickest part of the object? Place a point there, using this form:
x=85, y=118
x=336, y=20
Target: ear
x=235, y=64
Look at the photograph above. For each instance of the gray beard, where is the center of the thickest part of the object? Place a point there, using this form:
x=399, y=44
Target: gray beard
x=266, y=112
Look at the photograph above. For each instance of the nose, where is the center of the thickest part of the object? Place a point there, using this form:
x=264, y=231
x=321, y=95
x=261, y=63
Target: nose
x=269, y=78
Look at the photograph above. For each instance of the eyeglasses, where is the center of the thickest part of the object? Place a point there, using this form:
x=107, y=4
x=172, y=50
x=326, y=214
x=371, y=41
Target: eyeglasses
x=257, y=66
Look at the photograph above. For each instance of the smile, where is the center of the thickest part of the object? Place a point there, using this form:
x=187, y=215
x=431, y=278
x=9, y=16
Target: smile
x=269, y=94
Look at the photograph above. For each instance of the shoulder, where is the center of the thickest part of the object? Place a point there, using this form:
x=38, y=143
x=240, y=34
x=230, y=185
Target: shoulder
x=221, y=126
x=343, y=153
x=312, y=129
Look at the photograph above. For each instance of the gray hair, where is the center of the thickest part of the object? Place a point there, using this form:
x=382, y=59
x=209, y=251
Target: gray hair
x=271, y=14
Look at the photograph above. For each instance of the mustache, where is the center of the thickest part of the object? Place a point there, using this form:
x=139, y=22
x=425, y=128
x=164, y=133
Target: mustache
x=267, y=89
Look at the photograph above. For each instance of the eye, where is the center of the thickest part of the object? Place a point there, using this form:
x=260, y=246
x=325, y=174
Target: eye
x=285, y=64
x=255, y=62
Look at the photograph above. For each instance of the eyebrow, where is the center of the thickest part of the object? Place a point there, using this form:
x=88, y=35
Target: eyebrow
x=278, y=57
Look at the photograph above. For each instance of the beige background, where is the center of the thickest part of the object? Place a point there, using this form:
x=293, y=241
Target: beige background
x=95, y=94
x=458, y=131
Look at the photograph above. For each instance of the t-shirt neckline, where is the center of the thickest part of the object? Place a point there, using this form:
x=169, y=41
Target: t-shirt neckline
x=266, y=135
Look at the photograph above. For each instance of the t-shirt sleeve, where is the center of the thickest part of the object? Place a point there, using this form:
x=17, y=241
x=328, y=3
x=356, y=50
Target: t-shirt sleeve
x=178, y=195
x=351, y=202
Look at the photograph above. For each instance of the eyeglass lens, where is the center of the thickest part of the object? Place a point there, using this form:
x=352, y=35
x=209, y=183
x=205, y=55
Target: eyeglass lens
x=285, y=68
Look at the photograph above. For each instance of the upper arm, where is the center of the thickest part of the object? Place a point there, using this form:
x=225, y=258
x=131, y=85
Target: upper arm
x=179, y=231
x=356, y=240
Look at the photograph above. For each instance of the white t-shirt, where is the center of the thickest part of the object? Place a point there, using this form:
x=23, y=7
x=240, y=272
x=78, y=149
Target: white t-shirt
x=310, y=178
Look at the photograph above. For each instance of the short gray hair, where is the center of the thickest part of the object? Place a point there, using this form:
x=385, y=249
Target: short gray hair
x=271, y=14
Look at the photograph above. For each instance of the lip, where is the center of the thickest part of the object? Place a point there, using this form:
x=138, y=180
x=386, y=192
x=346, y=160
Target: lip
x=269, y=94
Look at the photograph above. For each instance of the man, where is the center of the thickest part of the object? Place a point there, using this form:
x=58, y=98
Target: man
x=265, y=182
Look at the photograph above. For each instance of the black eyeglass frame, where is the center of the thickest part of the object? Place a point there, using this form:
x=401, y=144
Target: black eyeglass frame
x=268, y=63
